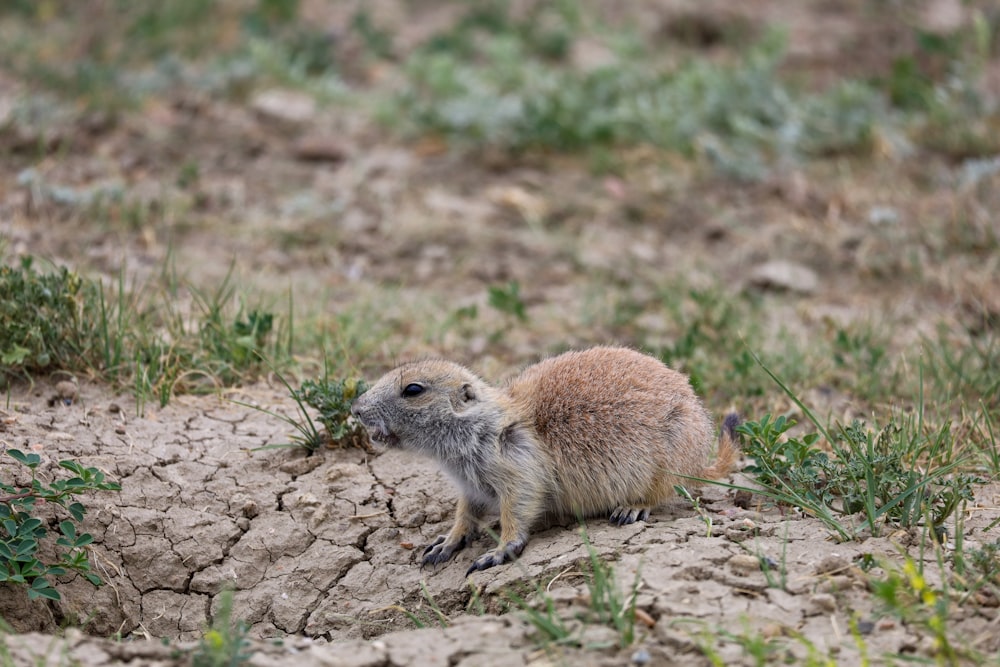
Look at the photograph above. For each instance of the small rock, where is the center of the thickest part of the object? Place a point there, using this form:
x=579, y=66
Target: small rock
x=742, y=499
x=772, y=630
x=821, y=603
x=250, y=508
x=302, y=500
x=301, y=466
x=904, y=537
x=641, y=657
x=835, y=584
x=66, y=389
x=530, y=207
x=284, y=106
x=882, y=215
x=744, y=564
x=317, y=148
x=739, y=532
x=781, y=275
x=120, y=429
x=832, y=564
x=867, y=627
x=642, y=616
x=882, y=625
x=114, y=408
x=927, y=645
x=598, y=635
x=66, y=392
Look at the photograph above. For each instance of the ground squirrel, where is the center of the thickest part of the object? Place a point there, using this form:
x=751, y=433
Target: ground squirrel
x=606, y=430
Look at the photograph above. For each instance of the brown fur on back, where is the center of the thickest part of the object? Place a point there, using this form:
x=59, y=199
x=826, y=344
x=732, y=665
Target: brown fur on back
x=616, y=424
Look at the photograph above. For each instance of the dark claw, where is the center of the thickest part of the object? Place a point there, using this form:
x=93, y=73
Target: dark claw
x=497, y=557
x=436, y=552
x=625, y=515
x=439, y=540
x=484, y=562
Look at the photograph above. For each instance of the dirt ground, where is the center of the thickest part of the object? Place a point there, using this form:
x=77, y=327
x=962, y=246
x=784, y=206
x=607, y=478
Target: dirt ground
x=323, y=551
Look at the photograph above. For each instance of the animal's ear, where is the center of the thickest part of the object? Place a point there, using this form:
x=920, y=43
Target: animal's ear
x=464, y=397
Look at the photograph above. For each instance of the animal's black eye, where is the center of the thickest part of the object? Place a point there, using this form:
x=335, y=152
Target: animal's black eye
x=412, y=390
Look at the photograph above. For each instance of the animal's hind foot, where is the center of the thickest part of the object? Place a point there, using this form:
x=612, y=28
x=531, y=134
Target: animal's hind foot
x=622, y=516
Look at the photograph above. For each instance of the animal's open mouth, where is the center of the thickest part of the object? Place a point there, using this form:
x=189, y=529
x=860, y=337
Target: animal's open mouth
x=382, y=436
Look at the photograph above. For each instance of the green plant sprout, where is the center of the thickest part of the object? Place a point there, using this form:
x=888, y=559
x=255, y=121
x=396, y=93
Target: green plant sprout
x=21, y=533
x=225, y=643
x=696, y=504
x=608, y=605
x=332, y=399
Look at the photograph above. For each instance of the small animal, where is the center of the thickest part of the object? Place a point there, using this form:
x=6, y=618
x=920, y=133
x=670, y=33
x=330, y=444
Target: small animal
x=607, y=430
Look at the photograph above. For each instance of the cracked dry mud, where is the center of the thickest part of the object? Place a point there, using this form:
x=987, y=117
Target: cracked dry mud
x=323, y=553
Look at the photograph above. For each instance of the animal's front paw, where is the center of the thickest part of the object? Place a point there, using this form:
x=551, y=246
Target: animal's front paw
x=498, y=556
x=625, y=515
x=441, y=550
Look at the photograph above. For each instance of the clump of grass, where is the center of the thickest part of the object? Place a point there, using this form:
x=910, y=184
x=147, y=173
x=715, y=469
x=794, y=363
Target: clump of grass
x=503, y=90
x=965, y=371
x=59, y=320
x=159, y=348
x=43, y=319
x=894, y=475
x=333, y=399
x=757, y=648
x=112, y=58
x=607, y=604
x=981, y=568
x=905, y=594
x=501, y=79
x=903, y=474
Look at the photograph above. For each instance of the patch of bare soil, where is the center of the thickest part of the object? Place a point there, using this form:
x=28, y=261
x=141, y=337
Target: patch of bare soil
x=323, y=552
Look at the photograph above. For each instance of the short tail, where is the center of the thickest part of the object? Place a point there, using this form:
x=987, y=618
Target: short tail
x=729, y=449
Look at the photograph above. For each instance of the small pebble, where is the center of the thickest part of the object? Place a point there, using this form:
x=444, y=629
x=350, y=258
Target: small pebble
x=643, y=617
x=641, y=657
x=772, y=630
x=883, y=624
x=822, y=603
x=66, y=389
x=744, y=564
x=250, y=509
x=742, y=499
x=832, y=564
x=65, y=393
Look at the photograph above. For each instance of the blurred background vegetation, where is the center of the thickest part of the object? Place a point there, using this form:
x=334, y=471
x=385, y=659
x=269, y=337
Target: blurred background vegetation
x=650, y=105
